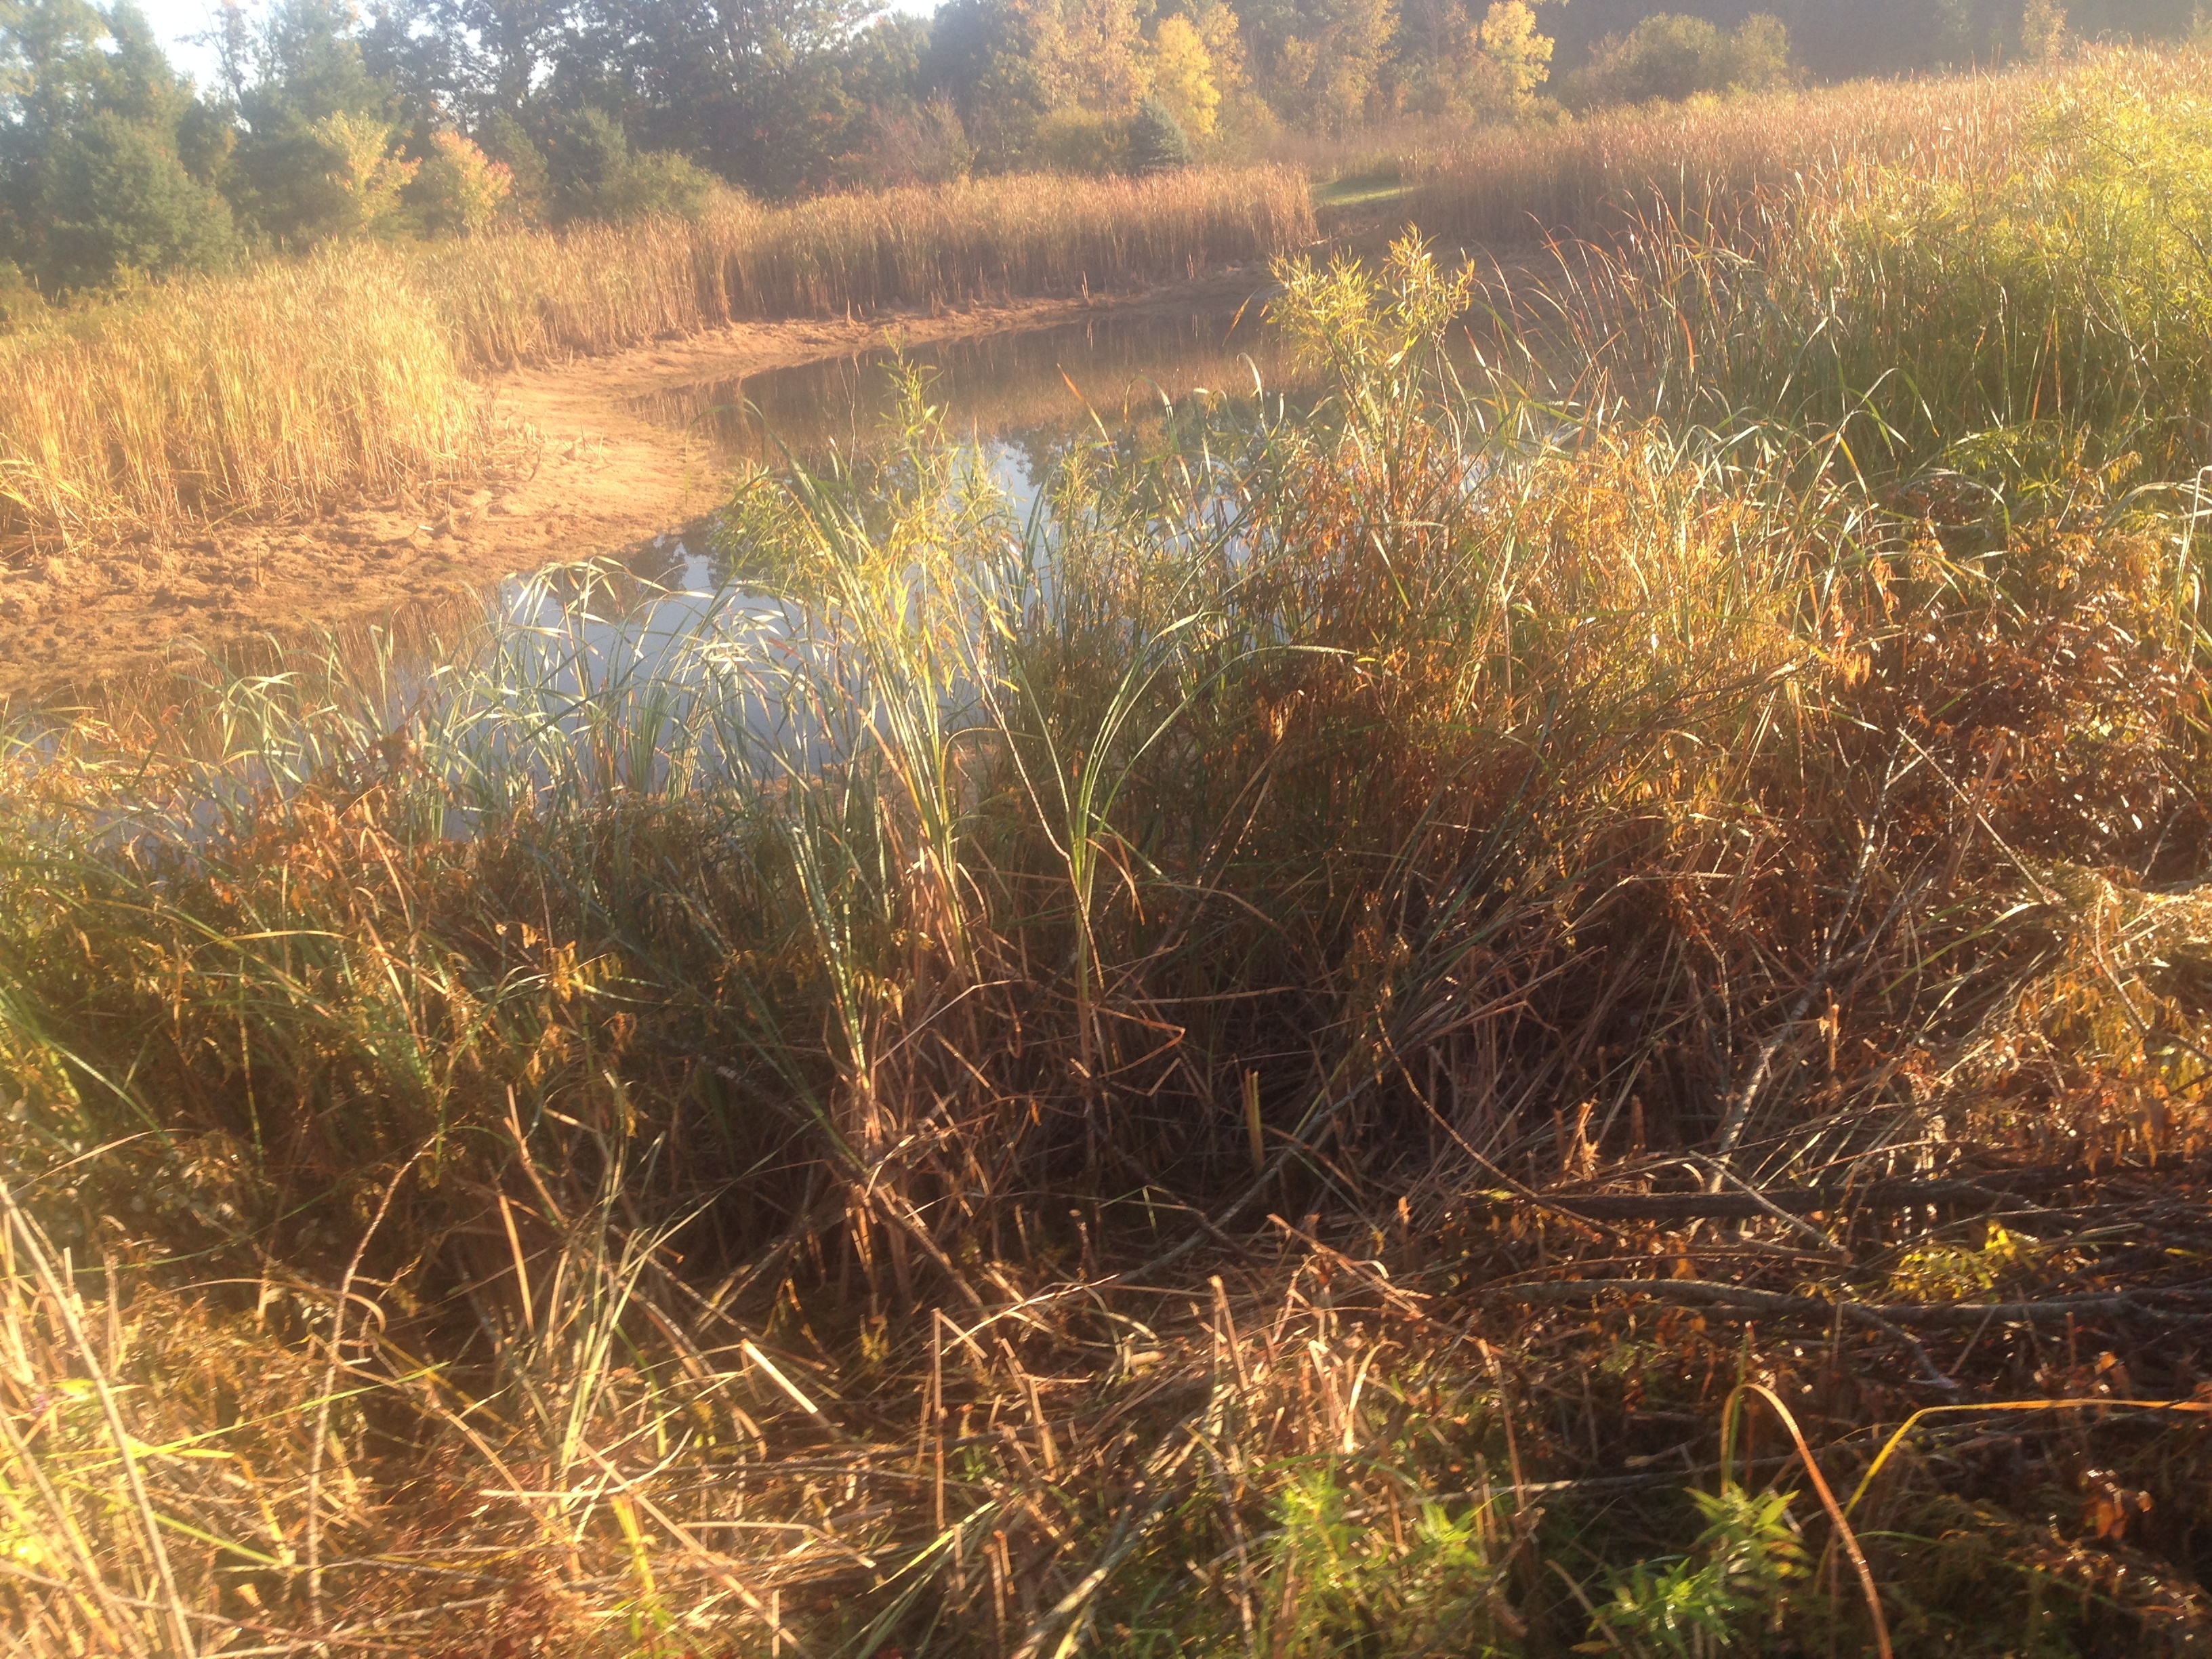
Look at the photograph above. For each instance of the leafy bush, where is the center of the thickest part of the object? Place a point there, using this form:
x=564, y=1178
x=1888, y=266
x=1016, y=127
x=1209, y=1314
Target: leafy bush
x=457, y=190
x=1083, y=141
x=504, y=141
x=20, y=303
x=594, y=173
x=369, y=177
x=117, y=200
x=2076, y=285
x=1670, y=57
x=1687, y=1606
x=921, y=145
x=1336, y=1585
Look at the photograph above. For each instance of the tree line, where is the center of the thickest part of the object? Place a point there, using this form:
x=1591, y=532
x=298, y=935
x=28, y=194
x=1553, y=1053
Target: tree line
x=434, y=118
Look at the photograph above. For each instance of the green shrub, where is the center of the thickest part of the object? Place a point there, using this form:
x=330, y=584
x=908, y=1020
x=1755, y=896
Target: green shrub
x=2076, y=284
x=1672, y=57
x=2058, y=290
x=505, y=140
x=1685, y=1607
x=457, y=190
x=116, y=198
x=1074, y=140
x=20, y=304
x=1157, y=142
x=594, y=173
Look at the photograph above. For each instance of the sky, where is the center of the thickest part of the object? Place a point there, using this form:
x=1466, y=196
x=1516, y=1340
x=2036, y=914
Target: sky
x=173, y=19
x=176, y=20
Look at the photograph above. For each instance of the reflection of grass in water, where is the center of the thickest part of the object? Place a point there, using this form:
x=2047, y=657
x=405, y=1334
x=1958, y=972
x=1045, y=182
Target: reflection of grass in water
x=1037, y=380
x=1081, y=1163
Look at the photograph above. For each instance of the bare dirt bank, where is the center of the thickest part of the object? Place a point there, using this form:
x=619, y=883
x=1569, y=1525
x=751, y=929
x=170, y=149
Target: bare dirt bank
x=584, y=477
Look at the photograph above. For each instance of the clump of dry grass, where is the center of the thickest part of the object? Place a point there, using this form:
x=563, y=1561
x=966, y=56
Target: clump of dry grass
x=287, y=389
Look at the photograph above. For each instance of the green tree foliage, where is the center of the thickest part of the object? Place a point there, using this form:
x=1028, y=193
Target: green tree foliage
x=499, y=49
x=1452, y=63
x=300, y=174
x=506, y=141
x=756, y=85
x=1321, y=62
x=1673, y=56
x=595, y=173
x=912, y=132
x=115, y=199
x=457, y=190
x=986, y=54
x=108, y=163
x=1157, y=142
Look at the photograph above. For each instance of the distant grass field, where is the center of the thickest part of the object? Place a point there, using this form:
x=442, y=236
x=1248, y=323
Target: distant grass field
x=1561, y=1004
x=1613, y=170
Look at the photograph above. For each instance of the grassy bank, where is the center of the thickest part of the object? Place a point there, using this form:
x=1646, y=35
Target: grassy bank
x=1423, y=1027
x=277, y=392
x=519, y=298
x=1612, y=173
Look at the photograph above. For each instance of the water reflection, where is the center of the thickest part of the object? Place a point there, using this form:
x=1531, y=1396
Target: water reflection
x=1024, y=391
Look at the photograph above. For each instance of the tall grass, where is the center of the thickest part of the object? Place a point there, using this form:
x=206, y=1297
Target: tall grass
x=526, y=297
x=1992, y=322
x=277, y=392
x=1604, y=176
x=283, y=390
x=1001, y=1093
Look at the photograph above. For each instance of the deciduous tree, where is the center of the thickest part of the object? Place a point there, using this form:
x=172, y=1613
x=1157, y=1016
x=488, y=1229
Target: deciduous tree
x=95, y=134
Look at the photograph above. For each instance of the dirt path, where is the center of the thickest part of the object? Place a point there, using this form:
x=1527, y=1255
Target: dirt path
x=586, y=477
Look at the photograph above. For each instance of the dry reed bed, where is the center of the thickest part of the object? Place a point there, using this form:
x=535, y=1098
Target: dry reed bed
x=1610, y=173
x=517, y=298
x=284, y=390
x=1598, y=176
x=281, y=391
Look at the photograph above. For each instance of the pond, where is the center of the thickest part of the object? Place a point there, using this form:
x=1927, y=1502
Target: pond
x=1017, y=399
x=1027, y=389
x=619, y=646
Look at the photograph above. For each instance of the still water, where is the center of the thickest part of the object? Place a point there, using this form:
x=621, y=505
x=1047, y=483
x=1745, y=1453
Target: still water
x=572, y=650
x=1016, y=400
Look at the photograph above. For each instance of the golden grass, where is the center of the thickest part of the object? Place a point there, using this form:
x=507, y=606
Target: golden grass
x=514, y=298
x=1611, y=173
x=284, y=388
x=1601, y=174
x=278, y=390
